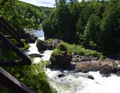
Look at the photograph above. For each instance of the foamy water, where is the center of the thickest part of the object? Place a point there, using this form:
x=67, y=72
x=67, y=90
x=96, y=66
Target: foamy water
x=76, y=82
x=80, y=83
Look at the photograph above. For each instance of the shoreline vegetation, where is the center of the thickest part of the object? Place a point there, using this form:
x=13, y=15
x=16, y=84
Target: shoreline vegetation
x=92, y=24
x=22, y=15
x=89, y=28
x=80, y=50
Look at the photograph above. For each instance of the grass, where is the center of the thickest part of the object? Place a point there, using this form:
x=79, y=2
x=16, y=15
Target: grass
x=49, y=40
x=79, y=49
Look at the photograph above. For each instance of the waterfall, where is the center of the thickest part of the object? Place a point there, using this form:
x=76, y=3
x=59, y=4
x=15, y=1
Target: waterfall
x=75, y=82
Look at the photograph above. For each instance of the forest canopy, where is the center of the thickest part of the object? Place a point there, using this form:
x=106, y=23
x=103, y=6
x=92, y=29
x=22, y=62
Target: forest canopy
x=23, y=15
x=92, y=23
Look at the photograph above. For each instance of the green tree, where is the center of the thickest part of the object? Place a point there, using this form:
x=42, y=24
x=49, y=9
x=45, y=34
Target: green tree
x=91, y=31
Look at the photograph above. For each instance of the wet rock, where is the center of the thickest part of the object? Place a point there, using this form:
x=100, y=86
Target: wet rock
x=118, y=73
x=114, y=70
x=29, y=38
x=70, y=67
x=61, y=75
x=95, y=58
x=60, y=60
x=33, y=38
x=99, y=63
x=85, y=71
x=76, y=58
x=90, y=77
x=35, y=55
x=77, y=70
x=42, y=45
x=61, y=56
x=55, y=43
x=105, y=72
x=83, y=58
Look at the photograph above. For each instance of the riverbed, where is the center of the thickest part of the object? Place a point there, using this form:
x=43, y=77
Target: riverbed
x=74, y=82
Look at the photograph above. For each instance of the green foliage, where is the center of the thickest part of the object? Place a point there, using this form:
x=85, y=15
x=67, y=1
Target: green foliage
x=23, y=15
x=59, y=21
x=32, y=76
x=91, y=31
x=49, y=40
x=61, y=49
x=8, y=54
x=26, y=46
x=94, y=24
x=79, y=49
x=76, y=49
x=46, y=26
x=109, y=28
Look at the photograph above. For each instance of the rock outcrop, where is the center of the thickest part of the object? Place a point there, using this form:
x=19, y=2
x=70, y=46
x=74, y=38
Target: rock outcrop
x=43, y=45
x=32, y=39
x=61, y=57
x=55, y=43
x=29, y=38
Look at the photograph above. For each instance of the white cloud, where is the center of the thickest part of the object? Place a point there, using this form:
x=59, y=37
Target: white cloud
x=46, y=3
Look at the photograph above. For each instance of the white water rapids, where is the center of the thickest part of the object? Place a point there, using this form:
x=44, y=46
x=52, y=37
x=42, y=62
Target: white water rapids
x=75, y=82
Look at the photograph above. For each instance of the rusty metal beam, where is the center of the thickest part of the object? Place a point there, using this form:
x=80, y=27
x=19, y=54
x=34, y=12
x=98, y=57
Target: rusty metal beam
x=12, y=34
x=9, y=26
x=12, y=83
x=9, y=44
x=13, y=63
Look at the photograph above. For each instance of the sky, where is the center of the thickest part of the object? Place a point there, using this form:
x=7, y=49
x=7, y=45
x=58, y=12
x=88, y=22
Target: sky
x=45, y=3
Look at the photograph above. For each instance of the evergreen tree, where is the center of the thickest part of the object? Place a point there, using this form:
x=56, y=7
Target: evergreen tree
x=91, y=31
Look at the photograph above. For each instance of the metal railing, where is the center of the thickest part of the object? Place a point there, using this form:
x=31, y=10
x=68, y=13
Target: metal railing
x=6, y=79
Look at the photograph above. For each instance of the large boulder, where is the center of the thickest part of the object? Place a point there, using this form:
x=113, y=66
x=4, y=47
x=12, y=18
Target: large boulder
x=29, y=38
x=61, y=56
x=105, y=72
x=42, y=45
x=26, y=36
x=55, y=43
x=33, y=38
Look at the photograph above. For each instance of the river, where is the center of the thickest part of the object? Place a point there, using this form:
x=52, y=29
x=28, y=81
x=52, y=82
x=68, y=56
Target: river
x=74, y=82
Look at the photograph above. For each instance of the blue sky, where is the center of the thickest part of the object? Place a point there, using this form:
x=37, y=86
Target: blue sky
x=48, y=3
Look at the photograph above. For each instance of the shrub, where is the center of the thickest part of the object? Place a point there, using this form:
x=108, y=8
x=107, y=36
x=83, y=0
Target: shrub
x=79, y=49
x=32, y=76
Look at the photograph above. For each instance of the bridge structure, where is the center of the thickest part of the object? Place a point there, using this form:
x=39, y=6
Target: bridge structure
x=6, y=79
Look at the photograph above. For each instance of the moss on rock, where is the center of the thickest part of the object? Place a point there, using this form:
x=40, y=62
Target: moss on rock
x=61, y=56
x=62, y=49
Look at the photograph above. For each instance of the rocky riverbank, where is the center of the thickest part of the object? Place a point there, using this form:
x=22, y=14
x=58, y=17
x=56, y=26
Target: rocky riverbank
x=85, y=64
x=105, y=67
x=80, y=63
